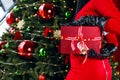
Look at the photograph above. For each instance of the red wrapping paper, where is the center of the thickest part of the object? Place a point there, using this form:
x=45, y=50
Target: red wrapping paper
x=73, y=36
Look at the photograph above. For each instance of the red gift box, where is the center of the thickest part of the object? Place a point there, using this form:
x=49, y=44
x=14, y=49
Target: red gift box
x=77, y=39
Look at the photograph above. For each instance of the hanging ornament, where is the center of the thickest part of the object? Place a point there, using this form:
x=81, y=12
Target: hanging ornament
x=2, y=44
x=20, y=24
x=47, y=32
x=16, y=9
x=16, y=19
x=35, y=9
x=68, y=14
x=115, y=64
x=18, y=36
x=10, y=18
x=28, y=29
x=12, y=30
x=7, y=45
x=56, y=34
x=17, y=72
x=46, y=11
x=1, y=51
x=26, y=48
x=42, y=77
x=42, y=52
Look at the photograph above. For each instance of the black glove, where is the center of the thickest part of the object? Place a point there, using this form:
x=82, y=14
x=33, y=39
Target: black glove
x=92, y=53
x=105, y=52
x=89, y=20
x=108, y=49
x=95, y=21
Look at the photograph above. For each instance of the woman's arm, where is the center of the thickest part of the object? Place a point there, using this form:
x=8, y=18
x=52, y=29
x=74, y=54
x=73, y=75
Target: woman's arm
x=107, y=9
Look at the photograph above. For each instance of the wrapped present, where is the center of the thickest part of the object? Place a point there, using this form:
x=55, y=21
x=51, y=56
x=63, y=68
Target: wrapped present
x=79, y=39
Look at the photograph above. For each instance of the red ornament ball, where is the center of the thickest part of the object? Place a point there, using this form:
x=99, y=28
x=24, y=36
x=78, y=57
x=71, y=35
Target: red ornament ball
x=26, y=48
x=10, y=18
x=12, y=30
x=47, y=31
x=16, y=19
x=18, y=36
x=2, y=43
x=42, y=77
x=46, y=11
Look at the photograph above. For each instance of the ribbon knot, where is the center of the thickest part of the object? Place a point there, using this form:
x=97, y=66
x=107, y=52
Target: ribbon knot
x=81, y=44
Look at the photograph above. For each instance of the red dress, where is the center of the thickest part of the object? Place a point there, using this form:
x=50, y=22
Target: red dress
x=95, y=69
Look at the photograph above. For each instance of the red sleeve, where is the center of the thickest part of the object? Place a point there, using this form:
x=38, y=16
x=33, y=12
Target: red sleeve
x=117, y=3
x=107, y=9
x=111, y=38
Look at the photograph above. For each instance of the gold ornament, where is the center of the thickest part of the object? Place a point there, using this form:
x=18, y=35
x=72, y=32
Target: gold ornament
x=57, y=33
x=20, y=24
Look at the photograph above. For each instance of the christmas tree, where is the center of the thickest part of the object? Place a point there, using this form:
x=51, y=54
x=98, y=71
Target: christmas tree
x=30, y=49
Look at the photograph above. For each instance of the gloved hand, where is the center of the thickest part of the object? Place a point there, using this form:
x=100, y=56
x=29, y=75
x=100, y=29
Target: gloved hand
x=92, y=53
x=88, y=20
x=108, y=49
x=105, y=52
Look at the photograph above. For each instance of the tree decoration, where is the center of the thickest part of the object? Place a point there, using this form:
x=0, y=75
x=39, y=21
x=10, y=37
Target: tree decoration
x=10, y=18
x=42, y=77
x=16, y=9
x=12, y=30
x=7, y=45
x=28, y=29
x=20, y=24
x=68, y=14
x=18, y=36
x=35, y=8
x=57, y=33
x=26, y=48
x=1, y=51
x=17, y=73
x=116, y=63
x=2, y=44
x=118, y=73
x=16, y=19
x=47, y=31
x=46, y=11
x=42, y=52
